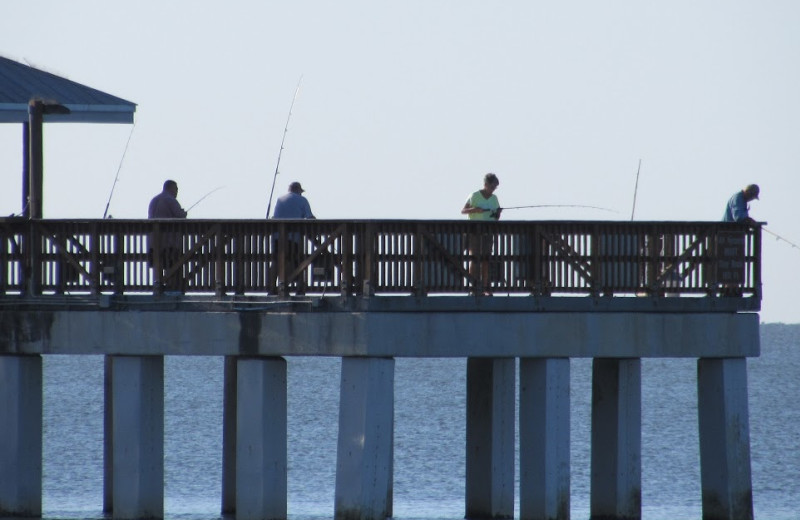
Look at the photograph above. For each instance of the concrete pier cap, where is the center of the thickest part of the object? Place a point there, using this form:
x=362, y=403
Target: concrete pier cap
x=314, y=331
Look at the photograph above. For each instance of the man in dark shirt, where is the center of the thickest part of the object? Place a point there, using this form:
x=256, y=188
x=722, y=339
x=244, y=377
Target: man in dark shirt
x=165, y=205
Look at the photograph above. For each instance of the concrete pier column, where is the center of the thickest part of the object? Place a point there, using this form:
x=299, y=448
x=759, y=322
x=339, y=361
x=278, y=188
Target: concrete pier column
x=724, y=439
x=490, y=437
x=261, y=439
x=364, y=458
x=20, y=436
x=108, y=434
x=616, y=489
x=138, y=436
x=229, y=407
x=544, y=437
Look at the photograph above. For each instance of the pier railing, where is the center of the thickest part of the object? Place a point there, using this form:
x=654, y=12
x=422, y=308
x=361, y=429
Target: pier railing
x=379, y=257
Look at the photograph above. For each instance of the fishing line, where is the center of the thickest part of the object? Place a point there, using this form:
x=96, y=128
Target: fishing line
x=116, y=178
x=285, y=130
x=561, y=206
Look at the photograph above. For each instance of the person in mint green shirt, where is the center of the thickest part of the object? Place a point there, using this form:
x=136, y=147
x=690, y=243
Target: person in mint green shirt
x=482, y=205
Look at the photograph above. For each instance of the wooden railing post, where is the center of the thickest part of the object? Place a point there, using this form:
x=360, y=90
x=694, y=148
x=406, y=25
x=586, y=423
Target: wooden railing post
x=595, y=268
x=155, y=259
x=539, y=279
x=94, y=263
x=756, y=259
x=33, y=255
x=280, y=255
x=238, y=238
x=369, y=254
x=652, y=253
x=347, y=260
x=417, y=253
x=219, y=261
x=5, y=260
x=118, y=263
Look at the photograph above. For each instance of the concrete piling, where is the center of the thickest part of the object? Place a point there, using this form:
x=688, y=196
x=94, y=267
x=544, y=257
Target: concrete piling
x=544, y=439
x=261, y=439
x=138, y=437
x=490, y=437
x=364, y=459
x=616, y=488
x=724, y=439
x=20, y=436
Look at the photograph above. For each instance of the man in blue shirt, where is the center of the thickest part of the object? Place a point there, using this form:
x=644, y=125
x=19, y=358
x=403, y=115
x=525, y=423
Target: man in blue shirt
x=731, y=246
x=737, y=210
x=292, y=205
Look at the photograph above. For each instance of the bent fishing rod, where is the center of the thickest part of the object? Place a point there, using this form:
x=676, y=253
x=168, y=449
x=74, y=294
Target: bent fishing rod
x=116, y=178
x=283, y=140
x=204, y=197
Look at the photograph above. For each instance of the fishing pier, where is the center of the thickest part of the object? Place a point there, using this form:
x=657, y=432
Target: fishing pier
x=372, y=291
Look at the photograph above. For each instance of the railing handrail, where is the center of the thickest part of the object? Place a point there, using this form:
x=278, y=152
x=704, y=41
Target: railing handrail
x=242, y=256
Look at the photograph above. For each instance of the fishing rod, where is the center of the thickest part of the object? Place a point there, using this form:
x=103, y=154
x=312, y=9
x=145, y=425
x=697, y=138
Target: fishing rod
x=781, y=238
x=636, y=189
x=285, y=130
x=204, y=197
x=116, y=178
x=561, y=206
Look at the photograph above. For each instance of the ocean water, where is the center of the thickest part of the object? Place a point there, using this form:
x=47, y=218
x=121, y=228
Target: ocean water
x=429, y=462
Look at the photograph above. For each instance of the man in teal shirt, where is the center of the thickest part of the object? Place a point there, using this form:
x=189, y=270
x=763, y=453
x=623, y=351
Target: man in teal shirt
x=736, y=210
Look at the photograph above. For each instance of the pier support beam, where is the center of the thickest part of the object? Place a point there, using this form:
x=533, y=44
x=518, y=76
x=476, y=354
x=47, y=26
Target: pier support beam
x=138, y=436
x=261, y=439
x=20, y=436
x=544, y=437
x=616, y=489
x=490, y=437
x=364, y=459
x=724, y=439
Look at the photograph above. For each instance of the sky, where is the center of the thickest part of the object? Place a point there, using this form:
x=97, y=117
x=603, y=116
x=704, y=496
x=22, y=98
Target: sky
x=404, y=106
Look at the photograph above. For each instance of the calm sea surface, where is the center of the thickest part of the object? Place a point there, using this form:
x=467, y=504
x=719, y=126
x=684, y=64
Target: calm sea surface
x=429, y=436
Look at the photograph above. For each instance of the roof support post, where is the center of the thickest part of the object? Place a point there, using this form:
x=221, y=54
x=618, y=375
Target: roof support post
x=35, y=158
x=26, y=170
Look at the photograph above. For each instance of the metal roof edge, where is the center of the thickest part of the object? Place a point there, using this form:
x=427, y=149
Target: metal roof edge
x=18, y=113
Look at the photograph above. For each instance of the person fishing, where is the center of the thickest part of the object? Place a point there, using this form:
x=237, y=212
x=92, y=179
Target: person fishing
x=737, y=209
x=165, y=205
x=292, y=205
x=482, y=205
